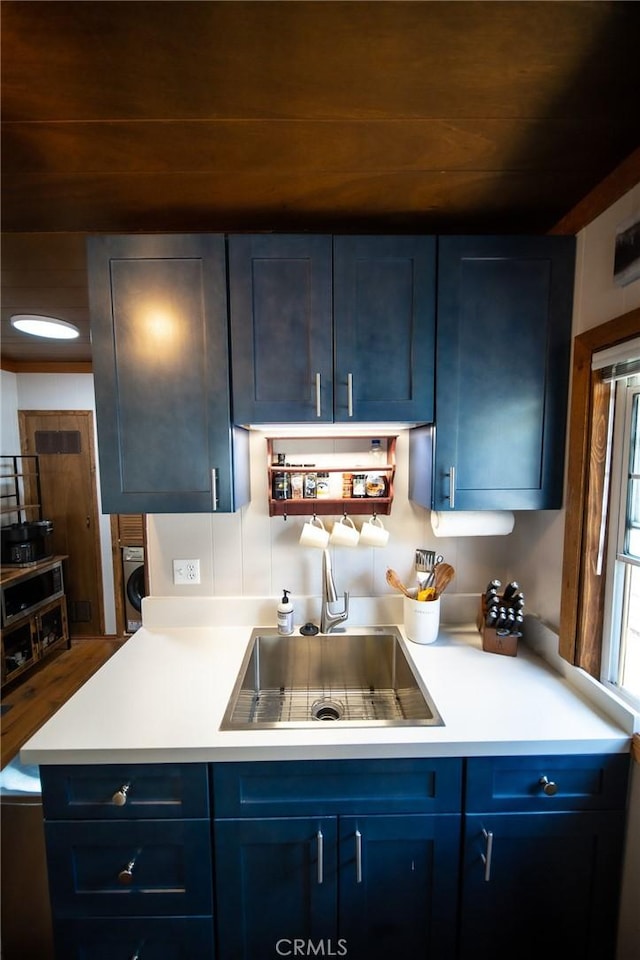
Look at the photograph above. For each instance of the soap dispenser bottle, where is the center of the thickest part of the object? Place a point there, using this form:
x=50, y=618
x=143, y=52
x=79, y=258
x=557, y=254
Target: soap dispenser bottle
x=285, y=615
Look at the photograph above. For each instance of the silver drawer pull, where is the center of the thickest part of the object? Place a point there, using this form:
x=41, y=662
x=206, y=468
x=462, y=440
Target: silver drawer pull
x=318, y=396
x=120, y=796
x=486, y=857
x=358, y=857
x=350, y=394
x=320, y=840
x=548, y=786
x=125, y=877
x=214, y=489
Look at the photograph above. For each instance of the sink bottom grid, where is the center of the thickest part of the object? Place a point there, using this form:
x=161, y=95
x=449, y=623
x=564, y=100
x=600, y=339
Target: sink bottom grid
x=322, y=704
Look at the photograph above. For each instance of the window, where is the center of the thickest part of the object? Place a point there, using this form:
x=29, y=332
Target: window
x=621, y=633
x=588, y=613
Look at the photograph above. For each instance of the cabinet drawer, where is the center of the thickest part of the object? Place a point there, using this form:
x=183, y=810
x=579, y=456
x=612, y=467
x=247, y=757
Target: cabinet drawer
x=125, y=792
x=156, y=938
x=155, y=868
x=590, y=782
x=319, y=787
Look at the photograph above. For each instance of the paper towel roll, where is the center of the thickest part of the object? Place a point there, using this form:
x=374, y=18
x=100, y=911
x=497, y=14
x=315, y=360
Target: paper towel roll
x=472, y=523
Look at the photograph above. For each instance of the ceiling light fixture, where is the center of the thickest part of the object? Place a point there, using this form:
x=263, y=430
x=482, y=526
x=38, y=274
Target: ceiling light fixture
x=49, y=327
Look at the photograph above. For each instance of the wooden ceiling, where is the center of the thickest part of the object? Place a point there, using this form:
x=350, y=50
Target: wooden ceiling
x=436, y=117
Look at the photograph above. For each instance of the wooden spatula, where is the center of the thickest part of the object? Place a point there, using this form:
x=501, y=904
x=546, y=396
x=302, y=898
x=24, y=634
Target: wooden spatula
x=394, y=581
x=444, y=575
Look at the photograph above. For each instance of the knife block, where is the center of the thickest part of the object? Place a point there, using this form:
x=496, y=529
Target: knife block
x=492, y=642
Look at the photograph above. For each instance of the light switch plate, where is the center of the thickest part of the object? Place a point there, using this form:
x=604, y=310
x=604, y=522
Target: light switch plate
x=186, y=571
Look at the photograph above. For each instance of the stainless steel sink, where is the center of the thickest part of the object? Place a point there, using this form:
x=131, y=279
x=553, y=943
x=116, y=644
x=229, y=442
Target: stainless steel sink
x=357, y=679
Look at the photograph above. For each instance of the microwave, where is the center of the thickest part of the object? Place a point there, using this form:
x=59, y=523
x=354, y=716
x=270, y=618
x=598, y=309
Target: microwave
x=31, y=592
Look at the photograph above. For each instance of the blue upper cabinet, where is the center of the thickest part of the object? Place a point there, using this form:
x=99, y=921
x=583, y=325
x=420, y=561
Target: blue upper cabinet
x=159, y=331
x=502, y=370
x=384, y=328
x=281, y=338
x=332, y=329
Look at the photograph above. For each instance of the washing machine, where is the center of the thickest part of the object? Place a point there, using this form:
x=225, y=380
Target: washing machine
x=134, y=586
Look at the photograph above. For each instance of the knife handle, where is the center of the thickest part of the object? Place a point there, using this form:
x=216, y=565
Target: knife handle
x=510, y=590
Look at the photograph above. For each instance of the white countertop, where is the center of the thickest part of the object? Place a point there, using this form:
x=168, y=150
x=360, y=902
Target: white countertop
x=162, y=696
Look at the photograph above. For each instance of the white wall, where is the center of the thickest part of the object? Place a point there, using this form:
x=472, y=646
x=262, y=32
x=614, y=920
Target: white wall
x=10, y=437
x=251, y=554
x=46, y=391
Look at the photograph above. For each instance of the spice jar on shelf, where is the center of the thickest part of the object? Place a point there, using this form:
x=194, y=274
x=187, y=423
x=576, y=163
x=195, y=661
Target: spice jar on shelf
x=310, y=483
x=359, y=485
x=280, y=485
x=347, y=486
x=322, y=486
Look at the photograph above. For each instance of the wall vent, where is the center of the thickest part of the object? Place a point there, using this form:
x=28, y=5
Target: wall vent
x=58, y=441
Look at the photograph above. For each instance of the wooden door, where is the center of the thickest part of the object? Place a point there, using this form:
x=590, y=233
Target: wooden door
x=63, y=440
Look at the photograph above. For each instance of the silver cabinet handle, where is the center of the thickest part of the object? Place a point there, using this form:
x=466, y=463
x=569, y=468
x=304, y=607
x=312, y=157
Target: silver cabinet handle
x=350, y=394
x=214, y=487
x=358, y=836
x=486, y=857
x=318, y=396
x=548, y=786
x=120, y=796
x=320, y=841
x=452, y=487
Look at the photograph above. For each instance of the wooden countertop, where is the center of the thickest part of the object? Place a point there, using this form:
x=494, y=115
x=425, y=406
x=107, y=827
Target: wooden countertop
x=12, y=572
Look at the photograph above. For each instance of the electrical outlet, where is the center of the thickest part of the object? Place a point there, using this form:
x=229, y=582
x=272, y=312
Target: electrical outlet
x=186, y=571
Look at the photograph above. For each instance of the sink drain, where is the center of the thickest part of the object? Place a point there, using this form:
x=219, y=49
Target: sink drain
x=327, y=710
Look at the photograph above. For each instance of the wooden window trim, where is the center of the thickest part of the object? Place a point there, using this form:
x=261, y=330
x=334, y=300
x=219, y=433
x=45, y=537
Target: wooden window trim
x=582, y=603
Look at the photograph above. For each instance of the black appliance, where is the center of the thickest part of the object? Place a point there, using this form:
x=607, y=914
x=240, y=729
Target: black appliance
x=25, y=543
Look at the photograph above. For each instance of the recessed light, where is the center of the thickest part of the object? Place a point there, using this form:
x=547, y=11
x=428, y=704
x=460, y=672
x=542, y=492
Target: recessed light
x=50, y=327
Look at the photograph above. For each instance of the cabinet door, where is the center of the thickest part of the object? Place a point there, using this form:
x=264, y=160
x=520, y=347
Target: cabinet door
x=281, y=331
x=134, y=868
x=160, y=362
x=276, y=884
x=502, y=367
x=551, y=883
x=384, y=323
x=398, y=885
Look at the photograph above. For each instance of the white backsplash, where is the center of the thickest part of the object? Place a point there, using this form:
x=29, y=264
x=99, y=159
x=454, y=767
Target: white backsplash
x=251, y=554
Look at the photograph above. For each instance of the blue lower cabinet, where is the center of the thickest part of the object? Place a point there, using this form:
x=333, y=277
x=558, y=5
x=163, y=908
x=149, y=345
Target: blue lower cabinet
x=550, y=881
x=398, y=886
x=134, y=868
x=362, y=887
x=157, y=938
x=276, y=883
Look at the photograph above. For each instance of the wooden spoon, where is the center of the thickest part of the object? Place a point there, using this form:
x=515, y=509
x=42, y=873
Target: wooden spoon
x=394, y=581
x=444, y=574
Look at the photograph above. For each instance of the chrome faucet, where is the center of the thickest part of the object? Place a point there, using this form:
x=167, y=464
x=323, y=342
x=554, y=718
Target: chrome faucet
x=329, y=617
